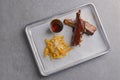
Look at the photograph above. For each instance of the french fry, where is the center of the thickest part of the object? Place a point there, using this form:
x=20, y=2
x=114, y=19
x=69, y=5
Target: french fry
x=46, y=52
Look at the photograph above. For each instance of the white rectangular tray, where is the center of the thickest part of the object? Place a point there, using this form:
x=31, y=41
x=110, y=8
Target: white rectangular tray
x=91, y=47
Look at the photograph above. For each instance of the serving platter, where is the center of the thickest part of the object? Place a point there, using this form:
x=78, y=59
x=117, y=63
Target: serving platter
x=91, y=46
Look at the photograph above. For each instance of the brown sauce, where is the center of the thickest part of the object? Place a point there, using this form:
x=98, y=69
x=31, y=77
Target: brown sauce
x=56, y=25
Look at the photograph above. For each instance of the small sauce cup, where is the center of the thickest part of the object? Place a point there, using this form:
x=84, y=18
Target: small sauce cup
x=56, y=26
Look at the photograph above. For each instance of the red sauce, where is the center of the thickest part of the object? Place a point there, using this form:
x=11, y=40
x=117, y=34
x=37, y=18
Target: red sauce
x=56, y=25
x=56, y=28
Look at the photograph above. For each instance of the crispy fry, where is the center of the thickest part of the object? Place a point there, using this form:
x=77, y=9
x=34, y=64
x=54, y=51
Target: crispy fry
x=46, y=52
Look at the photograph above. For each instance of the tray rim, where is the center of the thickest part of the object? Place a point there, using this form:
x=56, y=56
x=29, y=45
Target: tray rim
x=34, y=51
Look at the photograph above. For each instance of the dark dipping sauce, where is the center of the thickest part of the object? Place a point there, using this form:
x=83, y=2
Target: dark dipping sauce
x=56, y=25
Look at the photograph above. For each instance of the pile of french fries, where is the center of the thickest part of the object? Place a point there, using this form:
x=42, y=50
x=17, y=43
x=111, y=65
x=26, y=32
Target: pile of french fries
x=56, y=47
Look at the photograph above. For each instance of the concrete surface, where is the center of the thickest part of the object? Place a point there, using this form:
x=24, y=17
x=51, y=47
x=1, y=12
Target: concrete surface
x=16, y=59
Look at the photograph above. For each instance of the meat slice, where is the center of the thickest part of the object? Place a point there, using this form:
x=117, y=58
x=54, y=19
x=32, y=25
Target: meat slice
x=78, y=30
x=89, y=28
x=69, y=22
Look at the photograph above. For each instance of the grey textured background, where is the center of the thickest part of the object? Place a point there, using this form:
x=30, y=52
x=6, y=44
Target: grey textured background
x=16, y=59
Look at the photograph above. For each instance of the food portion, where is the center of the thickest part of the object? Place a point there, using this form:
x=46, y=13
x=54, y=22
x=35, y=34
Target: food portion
x=69, y=22
x=56, y=47
x=88, y=28
x=78, y=30
x=79, y=27
x=56, y=26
